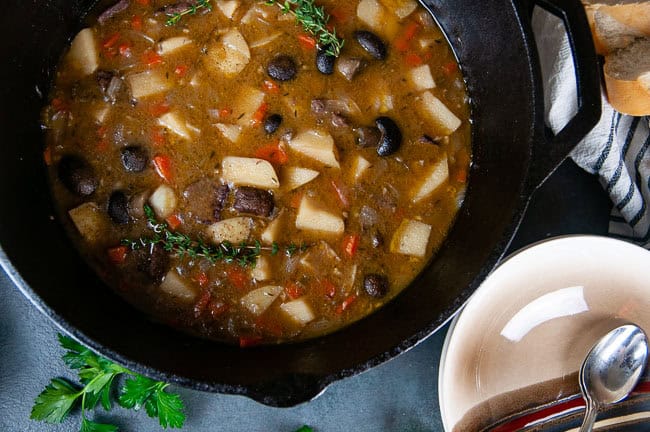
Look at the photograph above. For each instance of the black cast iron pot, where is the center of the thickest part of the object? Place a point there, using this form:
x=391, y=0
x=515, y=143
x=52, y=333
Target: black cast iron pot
x=512, y=156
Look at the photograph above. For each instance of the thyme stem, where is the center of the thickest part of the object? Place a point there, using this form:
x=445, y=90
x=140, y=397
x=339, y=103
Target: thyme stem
x=191, y=10
x=314, y=20
x=182, y=245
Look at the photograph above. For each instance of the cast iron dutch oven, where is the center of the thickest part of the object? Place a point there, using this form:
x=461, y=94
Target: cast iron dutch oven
x=513, y=154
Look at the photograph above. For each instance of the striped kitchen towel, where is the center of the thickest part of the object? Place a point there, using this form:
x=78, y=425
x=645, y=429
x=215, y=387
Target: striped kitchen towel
x=617, y=149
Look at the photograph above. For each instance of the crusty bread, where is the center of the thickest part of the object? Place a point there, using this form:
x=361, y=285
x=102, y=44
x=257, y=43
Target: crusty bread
x=627, y=78
x=614, y=25
x=621, y=33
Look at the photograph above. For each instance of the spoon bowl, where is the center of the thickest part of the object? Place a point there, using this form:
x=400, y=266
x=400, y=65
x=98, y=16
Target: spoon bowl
x=612, y=369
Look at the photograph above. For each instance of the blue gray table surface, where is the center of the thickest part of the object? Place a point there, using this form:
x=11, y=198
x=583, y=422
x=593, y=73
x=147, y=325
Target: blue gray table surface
x=400, y=395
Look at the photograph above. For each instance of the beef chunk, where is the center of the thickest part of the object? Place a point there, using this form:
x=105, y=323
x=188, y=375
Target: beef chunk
x=153, y=262
x=112, y=11
x=255, y=201
x=204, y=201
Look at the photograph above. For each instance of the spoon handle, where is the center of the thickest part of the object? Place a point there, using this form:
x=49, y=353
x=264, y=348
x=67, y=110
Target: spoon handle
x=590, y=417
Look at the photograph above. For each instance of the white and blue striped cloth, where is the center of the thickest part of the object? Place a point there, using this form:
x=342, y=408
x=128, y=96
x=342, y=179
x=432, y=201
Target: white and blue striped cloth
x=617, y=149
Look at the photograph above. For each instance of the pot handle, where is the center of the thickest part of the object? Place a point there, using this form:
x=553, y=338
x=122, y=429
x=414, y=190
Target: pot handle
x=550, y=150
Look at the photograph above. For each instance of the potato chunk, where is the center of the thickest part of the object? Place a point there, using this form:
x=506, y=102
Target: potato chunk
x=294, y=177
x=316, y=145
x=262, y=270
x=313, y=218
x=421, y=78
x=230, y=132
x=401, y=8
x=163, y=201
x=234, y=230
x=272, y=231
x=435, y=177
x=411, y=238
x=173, y=122
x=174, y=285
x=259, y=300
x=360, y=166
x=83, y=52
x=298, y=311
x=169, y=46
x=228, y=8
x=230, y=54
x=445, y=120
x=147, y=83
x=89, y=220
x=253, y=172
x=248, y=102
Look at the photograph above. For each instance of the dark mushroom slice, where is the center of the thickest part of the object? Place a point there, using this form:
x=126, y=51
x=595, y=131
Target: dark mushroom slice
x=254, y=201
x=282, y=68
x=118, y=208
x=368, y=136
x=426, y=139
x=134, y=158
x=272, y=123
x=77, y=175
x=375, y=285
x=339, y=121
x=391, y=136
x=371, y=43
x=325, y=62
x=153, y=262
x=112, y=11
x=350, y=66
x=104, y=78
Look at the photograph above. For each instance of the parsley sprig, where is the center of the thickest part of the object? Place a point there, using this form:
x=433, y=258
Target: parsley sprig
x=183, y=245
x=191, y=10
x=97, y=376
x=314, y=20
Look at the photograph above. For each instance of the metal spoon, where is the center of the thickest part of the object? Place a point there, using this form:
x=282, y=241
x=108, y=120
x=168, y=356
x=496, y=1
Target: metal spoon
x=612, y=369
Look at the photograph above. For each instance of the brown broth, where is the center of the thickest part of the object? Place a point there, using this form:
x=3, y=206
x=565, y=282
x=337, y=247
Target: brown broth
x=81, y=121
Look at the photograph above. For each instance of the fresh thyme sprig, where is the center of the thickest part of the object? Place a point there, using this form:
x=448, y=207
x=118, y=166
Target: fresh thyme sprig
x=191, y=10
x=314, y=20
x=183, y=245
x=97, y=376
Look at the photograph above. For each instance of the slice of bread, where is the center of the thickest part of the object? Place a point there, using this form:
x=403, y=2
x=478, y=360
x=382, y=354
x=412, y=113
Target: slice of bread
x=627, y=78
x=615, y=24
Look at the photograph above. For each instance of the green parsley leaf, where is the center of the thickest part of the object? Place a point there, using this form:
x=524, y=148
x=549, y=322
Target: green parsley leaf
x=55, y=402
x=305, y=428
x=170, y=408
x=140, y=391
x=91, y=426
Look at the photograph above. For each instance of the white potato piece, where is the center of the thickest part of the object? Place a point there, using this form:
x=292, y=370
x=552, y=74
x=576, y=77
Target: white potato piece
x=262, y=270
x=265, y=40
x=445, y=120
x=163, y=201
x=174, y=285
x=230, y=54
x=359, y=167
x=311, y=217
x=234, y=230
x=421, y=78
x=248, y=103
x=173, y=122
x=435, y=177
x=241, y=171
x=89, y=220
x=230, y=132
x=298, y=311
x=401, y=8
x=83, y=52
x=259, y=300
x=168, y=46
x=371, y=12
x=273, y=229
x=228, y=8
x=294, y=177
x=316, y=145
x=411, y=238
x=147, y=83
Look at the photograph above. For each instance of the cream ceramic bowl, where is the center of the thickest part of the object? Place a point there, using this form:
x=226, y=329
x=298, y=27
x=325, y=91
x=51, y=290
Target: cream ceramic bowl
x=521, y=338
